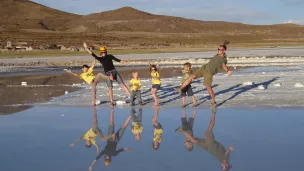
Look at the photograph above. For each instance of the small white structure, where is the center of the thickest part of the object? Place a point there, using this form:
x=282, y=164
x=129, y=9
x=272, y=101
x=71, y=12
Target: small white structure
x=277, y=84
x=247, y=83
x=24, y=83
x=120, y=102
x=261, y=87
x=299, y=85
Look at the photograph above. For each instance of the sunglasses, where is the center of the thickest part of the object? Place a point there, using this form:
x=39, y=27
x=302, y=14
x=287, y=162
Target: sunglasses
x=220, y=49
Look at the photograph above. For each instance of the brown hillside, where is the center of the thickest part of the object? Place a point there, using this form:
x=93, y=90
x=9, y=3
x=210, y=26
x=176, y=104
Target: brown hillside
x=24, y=14
x=128, y=19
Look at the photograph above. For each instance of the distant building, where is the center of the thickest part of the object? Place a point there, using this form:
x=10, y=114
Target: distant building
x=9, y=45
x=21, y=47
x=73, y=48
x=62, y=47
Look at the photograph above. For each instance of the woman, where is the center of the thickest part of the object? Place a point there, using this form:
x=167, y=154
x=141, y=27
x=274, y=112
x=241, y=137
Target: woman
x=109, y=69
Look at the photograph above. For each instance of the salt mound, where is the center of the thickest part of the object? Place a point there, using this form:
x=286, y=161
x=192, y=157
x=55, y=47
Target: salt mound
x=261, y=87
x=299, y=85
x=247, y=83
x=97, y=102
x=277, y=84
x=120, y=102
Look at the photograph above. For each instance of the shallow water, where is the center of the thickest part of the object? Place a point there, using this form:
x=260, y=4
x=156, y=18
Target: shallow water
x=39, y=138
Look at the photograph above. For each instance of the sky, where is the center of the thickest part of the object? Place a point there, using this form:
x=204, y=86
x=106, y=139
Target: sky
x=244, y=11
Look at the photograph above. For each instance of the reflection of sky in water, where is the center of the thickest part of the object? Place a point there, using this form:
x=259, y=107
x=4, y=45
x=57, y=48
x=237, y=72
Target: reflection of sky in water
x=38, y=139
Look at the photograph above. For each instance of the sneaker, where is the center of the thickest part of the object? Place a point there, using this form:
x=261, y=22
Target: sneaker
x=179, y=129
x=178, y=90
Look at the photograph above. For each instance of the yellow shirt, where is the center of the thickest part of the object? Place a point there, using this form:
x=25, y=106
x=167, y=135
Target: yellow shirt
x=88, y=76
x=155, y=77
x=158, y=135
x=137, y=128
x=91, y=136
x=135, y=84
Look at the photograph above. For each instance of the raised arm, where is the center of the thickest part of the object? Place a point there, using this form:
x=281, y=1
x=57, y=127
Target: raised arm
x=227, y=69
x=86, y=48
x=93, y=64
x=116, y=59
x=72, y=73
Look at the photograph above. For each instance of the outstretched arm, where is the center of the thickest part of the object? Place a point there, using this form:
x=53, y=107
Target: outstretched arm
x=75, y=142
x=70, y=72
x=227, y=69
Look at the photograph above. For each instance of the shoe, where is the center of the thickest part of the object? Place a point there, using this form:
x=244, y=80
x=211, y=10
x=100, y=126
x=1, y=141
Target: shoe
x=178, y=90
x=179, y=129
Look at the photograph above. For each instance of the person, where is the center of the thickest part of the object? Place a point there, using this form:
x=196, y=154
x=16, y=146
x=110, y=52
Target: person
x=215, y=65
x=187, y=126
x=156, y=83
x=137, y=127
x=187, y=91
x=88, y=76
x=135, y=85
x=158, y=131
x=107, y=62
x=112, y=142
x=212, y=146
x=91, y=134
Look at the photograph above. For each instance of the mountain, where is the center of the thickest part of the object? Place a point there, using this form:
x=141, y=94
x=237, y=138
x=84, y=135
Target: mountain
x=25, y=14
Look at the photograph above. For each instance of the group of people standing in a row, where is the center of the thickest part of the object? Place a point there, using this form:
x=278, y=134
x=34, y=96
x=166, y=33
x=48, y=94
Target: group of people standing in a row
x=215, y=148
x=217, y=64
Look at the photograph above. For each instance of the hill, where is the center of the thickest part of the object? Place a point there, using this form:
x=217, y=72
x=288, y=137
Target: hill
x=25, y=14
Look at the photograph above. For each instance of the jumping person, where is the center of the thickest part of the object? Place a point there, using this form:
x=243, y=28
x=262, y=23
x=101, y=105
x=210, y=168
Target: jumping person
x=135, y=85
x=112, y=142
x=215, y=65
x=187, y=126
x=212, y=146
x=137, y=126
x=158, y=131
x=107, y=62
x=88, y=76
x=90, y=136
x=187, y=91
x=156, y=82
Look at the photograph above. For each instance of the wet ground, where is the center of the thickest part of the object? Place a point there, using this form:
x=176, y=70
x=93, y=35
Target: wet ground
x=264, y=139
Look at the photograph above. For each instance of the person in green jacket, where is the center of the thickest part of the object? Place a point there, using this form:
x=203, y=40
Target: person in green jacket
x=217, y=64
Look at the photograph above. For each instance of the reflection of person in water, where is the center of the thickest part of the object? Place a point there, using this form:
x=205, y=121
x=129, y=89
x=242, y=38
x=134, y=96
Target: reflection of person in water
x=137, y=126
x=110, y=148
x=158, y=131
x=90, y=136
x=212, y=146
x=187, y=126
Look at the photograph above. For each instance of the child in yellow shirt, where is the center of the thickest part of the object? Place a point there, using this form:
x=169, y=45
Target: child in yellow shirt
x=137, y=126
x=135, y=85
x=156, y=82
x=88, y=76
x=158, y=131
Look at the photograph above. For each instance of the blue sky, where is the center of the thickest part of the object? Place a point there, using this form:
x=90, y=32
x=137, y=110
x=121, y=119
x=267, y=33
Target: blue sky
x=245, y=11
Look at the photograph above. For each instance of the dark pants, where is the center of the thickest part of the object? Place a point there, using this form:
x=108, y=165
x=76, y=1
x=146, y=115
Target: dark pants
x=136, y=94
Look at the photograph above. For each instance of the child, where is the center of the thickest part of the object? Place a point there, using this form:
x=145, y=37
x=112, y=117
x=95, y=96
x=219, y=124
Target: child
x=158, y=131
x=187, y=126
x=135, y=86
x=90, y=136
x=88, y=76
x=137, y=127
x=156, y=82
x=187, y=91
